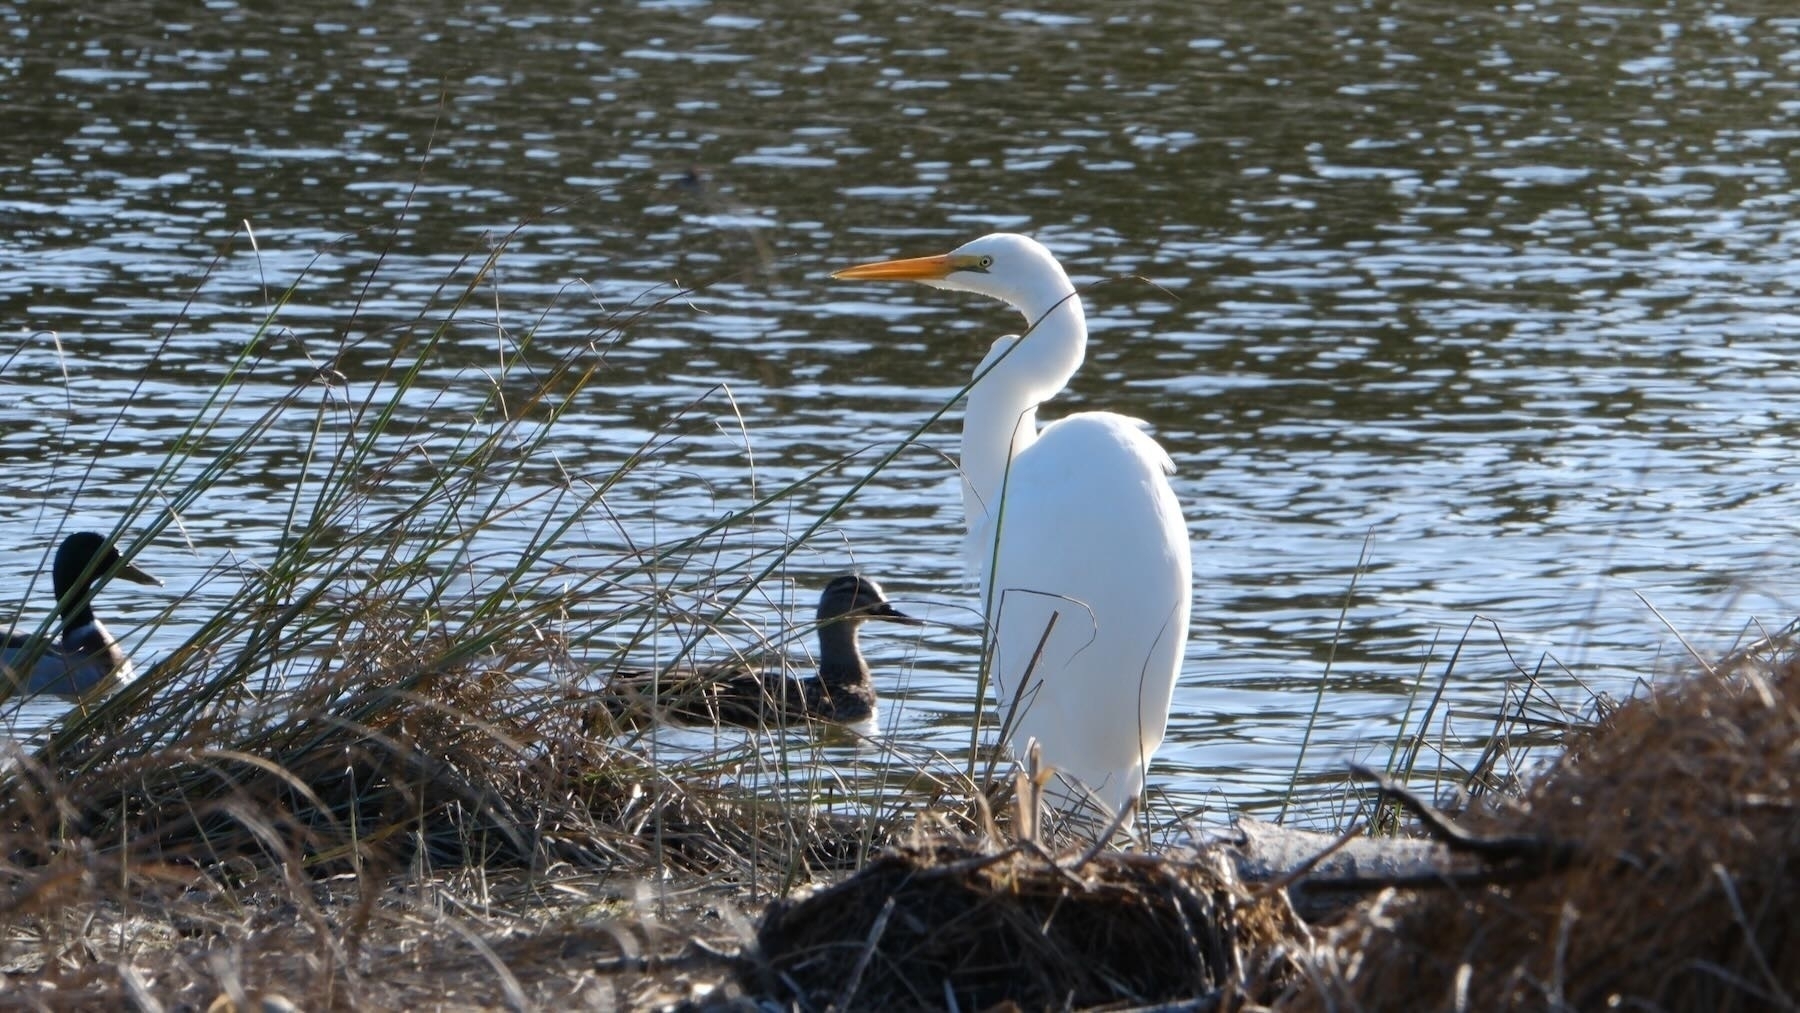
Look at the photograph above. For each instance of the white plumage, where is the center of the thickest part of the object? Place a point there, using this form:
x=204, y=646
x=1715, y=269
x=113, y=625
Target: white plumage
x=1078, y=520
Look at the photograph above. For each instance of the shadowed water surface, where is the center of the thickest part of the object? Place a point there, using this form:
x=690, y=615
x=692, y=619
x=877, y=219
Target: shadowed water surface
x=1499, y=297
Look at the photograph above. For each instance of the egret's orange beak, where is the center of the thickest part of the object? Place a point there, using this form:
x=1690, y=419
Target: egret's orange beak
x=911, y=269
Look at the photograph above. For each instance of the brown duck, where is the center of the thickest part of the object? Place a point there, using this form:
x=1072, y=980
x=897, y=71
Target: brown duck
x=752, y=695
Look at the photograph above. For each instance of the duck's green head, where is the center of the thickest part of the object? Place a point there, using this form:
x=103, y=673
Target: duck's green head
x=85, y=557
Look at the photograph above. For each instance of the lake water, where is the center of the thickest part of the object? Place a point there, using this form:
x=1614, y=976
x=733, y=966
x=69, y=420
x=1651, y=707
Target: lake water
x=1501, y=293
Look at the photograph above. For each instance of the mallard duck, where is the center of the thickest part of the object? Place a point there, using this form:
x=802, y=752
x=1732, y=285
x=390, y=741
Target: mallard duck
x=742, y=693
x=86, y=656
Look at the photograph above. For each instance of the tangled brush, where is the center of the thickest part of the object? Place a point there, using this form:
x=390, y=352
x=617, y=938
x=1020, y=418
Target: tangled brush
x=951, y=925
x=1681, y=814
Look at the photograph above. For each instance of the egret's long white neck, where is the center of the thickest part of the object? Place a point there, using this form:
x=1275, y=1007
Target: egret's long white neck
x=1019, y=374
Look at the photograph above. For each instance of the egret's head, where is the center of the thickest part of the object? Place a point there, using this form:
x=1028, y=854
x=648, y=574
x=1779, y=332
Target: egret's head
x=1012, y=268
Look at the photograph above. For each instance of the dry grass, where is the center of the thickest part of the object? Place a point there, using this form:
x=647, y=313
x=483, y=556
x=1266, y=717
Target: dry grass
x=1681, y=810
x=364, y=834
x=474, y=939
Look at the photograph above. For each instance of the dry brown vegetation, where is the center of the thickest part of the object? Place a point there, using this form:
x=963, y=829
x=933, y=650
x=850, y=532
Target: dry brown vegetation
x=441, y=842
x=384, y=842
x=968, y=925
x=1682, y=819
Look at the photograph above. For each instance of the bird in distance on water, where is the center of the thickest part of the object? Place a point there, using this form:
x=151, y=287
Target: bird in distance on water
x=1076, y=520
x=748, y=694
x=85, y=657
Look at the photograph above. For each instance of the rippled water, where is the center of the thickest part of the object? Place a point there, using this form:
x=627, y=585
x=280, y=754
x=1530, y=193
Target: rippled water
x=1500, y=293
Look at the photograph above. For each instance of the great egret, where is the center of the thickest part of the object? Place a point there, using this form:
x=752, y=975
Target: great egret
x=739, y=693
x=86, y=656
x=1076, y=520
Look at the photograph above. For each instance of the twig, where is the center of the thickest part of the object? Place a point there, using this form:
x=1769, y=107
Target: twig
x=1012, y=710
x=1751, y=942
x=868, y=952
x=695, y=953
x=1112, y=828
x=1441, y=827
x=1362, y=560
x=1698, y=659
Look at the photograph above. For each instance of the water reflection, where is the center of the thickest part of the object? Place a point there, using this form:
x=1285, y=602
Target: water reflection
x=1505, y=291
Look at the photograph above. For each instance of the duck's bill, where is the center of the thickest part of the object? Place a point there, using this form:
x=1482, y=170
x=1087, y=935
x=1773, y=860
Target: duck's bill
x=138, y=575
x=891, y=614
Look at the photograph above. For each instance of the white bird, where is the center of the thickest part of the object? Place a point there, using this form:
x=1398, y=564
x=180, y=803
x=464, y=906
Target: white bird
x=1077, y=520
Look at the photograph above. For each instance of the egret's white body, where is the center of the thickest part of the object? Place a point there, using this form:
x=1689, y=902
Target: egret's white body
x=1076, y=520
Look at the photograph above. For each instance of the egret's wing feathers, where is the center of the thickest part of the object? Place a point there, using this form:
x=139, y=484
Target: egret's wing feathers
x=1088, y=513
